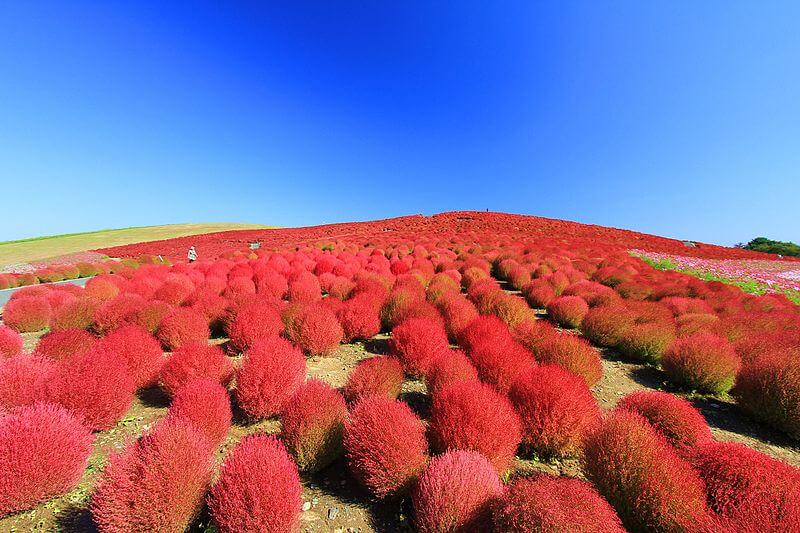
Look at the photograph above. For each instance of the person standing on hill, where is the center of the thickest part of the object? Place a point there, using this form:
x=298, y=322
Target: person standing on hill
x=192, y=255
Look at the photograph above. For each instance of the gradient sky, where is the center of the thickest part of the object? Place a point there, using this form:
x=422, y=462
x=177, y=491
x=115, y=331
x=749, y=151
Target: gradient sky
x=675, y=118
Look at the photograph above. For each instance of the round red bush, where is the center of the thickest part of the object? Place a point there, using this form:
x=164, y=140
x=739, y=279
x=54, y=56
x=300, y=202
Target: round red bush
x=385, y=445
x=272, y=370
x=318, y=331
x=675, y=418
x=458, y=313
x=120, y=311
x=605, y=324
x=10, y=342
x=44, y=450
x=647, y=342
x=470, y=415
x=482, y=329
x=183, y=325
x=157, y=483
x=206, y=405
x=556, y=408
x=195, y=361
x=75, y=314
x=26, y=379
x=102, y=288
x=359, y=318
x=702, y=361
x=455, y=493
x=27, y=314
x=500, y=361
x=258, y=489
x=450, y=367
x=539, y=293
x=312, y=423
x=749, y=490
x=417, y=342
x=567, y=311
x=534, y=333
x=768, y=388
x=150, y=315
x=572, y=353
x=64, y=344
x=377, y=375
x=304, y=287
x=254, y=321
x=552, y=503
x=641, y=475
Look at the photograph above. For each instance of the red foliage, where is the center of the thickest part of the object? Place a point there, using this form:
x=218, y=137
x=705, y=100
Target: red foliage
x=272, y=370
x=182, y=326
x=377, y=375
x=749, y=490
x=417, y=342
x=642, y=476
x=102, y=288
x=604, y=325
x=450, y=367
x=10, y=342
x=206, y=405
x=702, y=361
x=64, y=344
x=385, y=445
x=318, y=332
x=150, y=315
x=157, y=483
x=539, y=293
x=312, y=423
x=304, y=287
x=532, y=334
x=500, y=361
x=25, y=379
x=647, y=341
x=44, y=450
x=572, y=353
x=77, y=313
x=557, y=410
x=455, y=493
x=470, y=415
x=195, y=361
x=258, y=489
x=694, y=322
x=118, y=312
x=675, y=418
x=458, y=313
x=359, y=318
x=768, y=388
x=552, y=503
x=27, y=314
x=253, y=321
x=482, y=329
x=568, y=311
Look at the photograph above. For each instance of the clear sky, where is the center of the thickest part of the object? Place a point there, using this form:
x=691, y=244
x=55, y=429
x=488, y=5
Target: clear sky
x=675, y=118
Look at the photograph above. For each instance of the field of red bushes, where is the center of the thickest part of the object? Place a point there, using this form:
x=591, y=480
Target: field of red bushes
x=461, y=372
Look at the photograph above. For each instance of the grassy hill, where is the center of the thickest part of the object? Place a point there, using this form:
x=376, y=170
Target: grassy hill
x=40, y=248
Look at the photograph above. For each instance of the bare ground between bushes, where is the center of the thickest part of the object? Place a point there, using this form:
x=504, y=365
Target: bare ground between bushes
x=333, y=502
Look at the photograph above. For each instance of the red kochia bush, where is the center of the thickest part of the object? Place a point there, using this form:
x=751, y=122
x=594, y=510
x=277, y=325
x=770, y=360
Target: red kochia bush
x=64, y=344
x=649, y=485
x=312, y=422
x=500, y=363
x=195, y=361
x=10, y=342
x=552, y=503
x=258, y=489
x=457, y=312
x=377, y=375
x=359, y=318
x=318, y=331
x=25, y=379
x=181, y=326
x=455, y=493
x=206, y=405
x=768, y=388
x=157, y=483
x=43, y=452
x=77, y=313
x=675, y=418
x=30, y=313
x=604, y=325
x=557, y=410
x=118, y=312
x=254, y=321
x=568, y=311
x=97, y=386
x=702, y=361
x=484, y=328
x=749, y=490
x=647, y=342
x=450, y=367
x=385, y=445
x=470, y=415
x=539, y=293
x=572, y=353
x=140, y=351
x=272, y=370
x=417, y=342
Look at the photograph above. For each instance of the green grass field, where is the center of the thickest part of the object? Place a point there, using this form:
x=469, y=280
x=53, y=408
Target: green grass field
x=39, y=248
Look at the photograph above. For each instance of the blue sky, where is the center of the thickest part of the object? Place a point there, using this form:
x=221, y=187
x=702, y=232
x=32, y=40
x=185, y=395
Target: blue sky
x=675, y=118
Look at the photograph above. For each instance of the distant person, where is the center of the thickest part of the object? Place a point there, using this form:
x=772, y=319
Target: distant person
x=192, y=255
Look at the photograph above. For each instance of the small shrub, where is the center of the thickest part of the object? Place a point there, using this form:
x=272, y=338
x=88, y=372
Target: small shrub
x=605, y=324
x=256, y=320
x=450, y=367
x=318, y=331
x=272, y=370
x=702, y=361
x=10, y=342
x=206, y=405
x=693, y=322
x=75, y=314
x=499, y=363
x=768, y=388
x=457, y=312
x=150, y=315
x=385, y=445
x=381, y=376
x=64, y=344
x=482, y=329
x=117, y=312
x=572, y=353
x=26, y=379
x=455, y=493
x=539, y=293
x=568, y=311
x=195, y=361
x=417, y=342
x=359, y=318
x=44, y=450
x=647, y=342
x=183, y=325
x=27, y=314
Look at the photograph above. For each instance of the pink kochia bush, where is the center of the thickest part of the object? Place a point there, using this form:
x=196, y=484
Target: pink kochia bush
x=140, y=351
x=44, y=450
x=182, y=326
x=470, y=415
x=417, y=342
x=272, y=370
x=749, y=490
x=193, y=361
x=385, y=445
x=552, y=503
x=10, y=342
x=675, y=418
x=258, y=489
x=557, y=410
x=377, y=375
x=317, y=330
x=206, y=405
x=254, y=321
x=157, y=483
x=455, y=493
x=641, y=475
x=64, y=344
x=312, y=423
x=26, y=314
x=702, y=361
x=26, y=379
